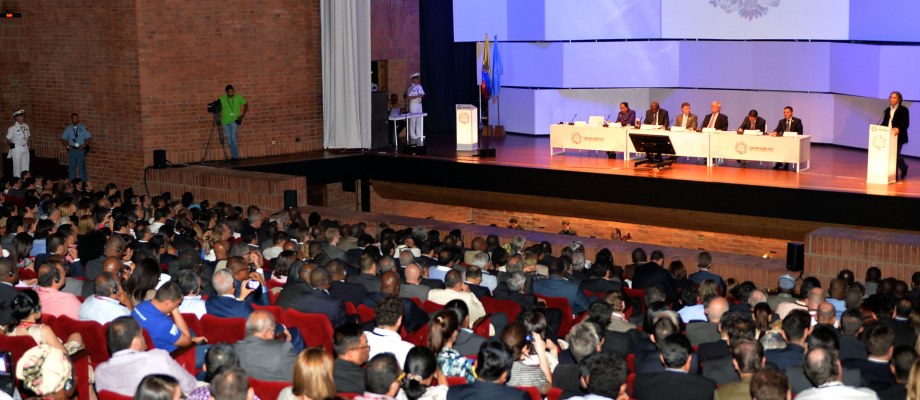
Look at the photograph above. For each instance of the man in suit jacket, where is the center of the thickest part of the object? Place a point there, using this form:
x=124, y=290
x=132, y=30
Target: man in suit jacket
x=413, y=316
x=716, y=119
x=686, y=119
x=747, y=358
x=704, y=263
x=600, y=281
x=474, y=280
x=876, y=370
x=347, y=291
x=557, y=286
x=319, y=301
x=226, y=304
x=651, y=274
x=297, y=283
x=675, y=382
x=368, y=277
x=897, y=117
x=9, y=277
x=707, y=332
x=823, y=369
x=413, y=286
x=789, y=125
x=492, y=372
x=262, y=356
x=655, y=115
x=796, y=327
x=752, y=122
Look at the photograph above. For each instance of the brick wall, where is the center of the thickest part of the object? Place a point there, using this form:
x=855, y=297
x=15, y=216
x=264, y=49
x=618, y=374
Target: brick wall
x=395, y=37
x=241, y=188
x=829, y=250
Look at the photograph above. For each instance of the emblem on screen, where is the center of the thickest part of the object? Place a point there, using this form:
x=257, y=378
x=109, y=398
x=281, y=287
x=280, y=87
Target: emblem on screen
x=576, y=138
x=741, y=148
x=747, y=9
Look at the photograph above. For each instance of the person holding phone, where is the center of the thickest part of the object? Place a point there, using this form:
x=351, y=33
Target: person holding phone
x=249, y=285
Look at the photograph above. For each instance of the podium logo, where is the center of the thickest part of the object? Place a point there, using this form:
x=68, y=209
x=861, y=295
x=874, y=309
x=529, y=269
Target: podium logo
x=576, y=138
x=747, y=9
x=463, y=118
x=741, y=148
x=879, y=142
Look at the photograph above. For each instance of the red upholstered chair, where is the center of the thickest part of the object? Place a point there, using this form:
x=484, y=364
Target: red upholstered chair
x=185, y=356
x=93, y=336
x=561, y=304
x=16, y=345
x=598, y=295
x=456, y=380
x=554, y=394
x=347, y=396
x=431, y=307
x=268, y=389
x=350, y=308
x=482, y=328
x=630, y=383
x=315, y=328
x=148, y=339
x=366, y=313
x=193, y=324
x=271, y=284
x=418, y=338
x=107, y=395
x=417, y=302
x=509, y=307
x=636, y=296
x=532, y=391
x=631, y=362
x=273, y=297
x=229, y=330
x=276, y=311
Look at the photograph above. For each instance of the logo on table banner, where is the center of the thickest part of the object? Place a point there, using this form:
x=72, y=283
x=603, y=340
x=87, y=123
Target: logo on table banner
x=463, y=118
x=577, y=138
x=747, y=9
x=742, y=147
x=879, y=141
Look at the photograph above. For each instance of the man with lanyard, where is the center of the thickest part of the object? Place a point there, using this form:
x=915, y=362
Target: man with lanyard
x=233, y=110
x=414, y=94
x=18, y=139
x=76, y=139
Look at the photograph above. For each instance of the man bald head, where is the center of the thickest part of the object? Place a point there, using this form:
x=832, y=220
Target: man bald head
x=716, y=307
x=413, y=272
x=319, y=278
x=115, y=246
x=220, y=250
x=826, y=314
x=389, y=283
x=814, y=298
x=111, y=264
x=261, y=324
x=289, y=245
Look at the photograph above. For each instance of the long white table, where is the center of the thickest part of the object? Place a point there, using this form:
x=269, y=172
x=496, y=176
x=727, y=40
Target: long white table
x=718, y=145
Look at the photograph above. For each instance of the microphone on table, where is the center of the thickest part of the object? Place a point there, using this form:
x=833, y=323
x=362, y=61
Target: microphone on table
x=572, y=121
x=605, y=121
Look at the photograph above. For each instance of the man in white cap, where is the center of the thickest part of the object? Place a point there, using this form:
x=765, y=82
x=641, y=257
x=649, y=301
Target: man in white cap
x=414, y=95
x=18, y=139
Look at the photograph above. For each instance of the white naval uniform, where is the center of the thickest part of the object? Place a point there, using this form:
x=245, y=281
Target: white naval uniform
x=19, y=135
x=415, y=106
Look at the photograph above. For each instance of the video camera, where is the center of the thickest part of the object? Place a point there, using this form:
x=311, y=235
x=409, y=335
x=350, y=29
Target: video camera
x=214, y=107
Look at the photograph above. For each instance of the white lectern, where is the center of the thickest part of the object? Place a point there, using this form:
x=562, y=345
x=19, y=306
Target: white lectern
x=467, y=127
x=883, y=155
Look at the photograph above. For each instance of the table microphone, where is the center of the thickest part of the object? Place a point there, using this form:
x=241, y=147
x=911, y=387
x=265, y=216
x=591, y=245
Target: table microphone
x=606, y=121
x=572, y=122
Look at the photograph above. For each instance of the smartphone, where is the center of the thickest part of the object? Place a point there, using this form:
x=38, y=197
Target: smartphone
x=6, y=373
x=252, y=284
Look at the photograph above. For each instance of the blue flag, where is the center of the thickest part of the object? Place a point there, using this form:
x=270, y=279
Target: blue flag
x=496, y=71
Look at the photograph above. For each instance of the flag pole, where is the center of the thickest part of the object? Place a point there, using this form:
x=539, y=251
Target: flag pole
x=499, y=130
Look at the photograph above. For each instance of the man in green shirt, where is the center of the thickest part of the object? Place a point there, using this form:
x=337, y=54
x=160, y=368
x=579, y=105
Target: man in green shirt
x=233, y=109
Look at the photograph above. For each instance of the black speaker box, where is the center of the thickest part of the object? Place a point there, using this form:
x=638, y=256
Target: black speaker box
x=290, y=199
x=379, y=110
x=159, y=158
x=795, y=256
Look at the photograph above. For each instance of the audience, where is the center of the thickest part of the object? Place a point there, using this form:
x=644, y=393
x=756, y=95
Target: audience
x=106, y=304
x=603, y=376
x=226, y=304
x=493, y=367
x=676, y=382
x=441, y=337
x=381, y=378
x=158, y=387
x=823, y=369
x=385, y=337
x=262, y=355
x=423, y=379
x=46, y=372
x=352, y=352
x=313, y=376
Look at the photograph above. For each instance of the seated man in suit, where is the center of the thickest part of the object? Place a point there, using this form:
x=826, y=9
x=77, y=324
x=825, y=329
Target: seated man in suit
x=368, y=277
x=298, y=281
x=821, y=336
x=603, y=376
x=675, y=382
x=261, y=355
x=901, y=363
x=557, y=286
x=413, y=286
x=319, y=301
x=787, y=126
x=851, y=327
x=413, y=316
x=706, y=332
x=226, y=304
x=796, y=327
x=653, y=273
x=686, y=119
x=716, y=119
x=823, y=369
x=474, y=280
x=352, y=352
x=704, y=263
x=717, y=356
x=875, y=370
x=600, y=280
x=583, y=341
x=747, y=358
x=239, y=267
x=625, y=117
x=347, y=291
x=492, y=369
x=655, y=115
x=752, y=122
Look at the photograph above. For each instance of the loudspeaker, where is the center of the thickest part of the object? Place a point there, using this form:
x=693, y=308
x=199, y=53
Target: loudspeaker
x=379, y=110
x=290, y=199
x=381, y=134
x=795, y=256
x=159, y=158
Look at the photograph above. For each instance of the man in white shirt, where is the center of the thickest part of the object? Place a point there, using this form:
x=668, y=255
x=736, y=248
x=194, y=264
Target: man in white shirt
x=105, y=305
x=385, y=337
x=823, y=369
x=457, y=290
x=17, y=136
x=192, y=303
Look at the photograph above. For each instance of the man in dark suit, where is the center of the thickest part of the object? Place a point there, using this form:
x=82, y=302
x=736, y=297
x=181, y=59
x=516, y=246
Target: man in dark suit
x=655, y=115
x=473, y=280
x=297, y=283
x=492, y=370
x=821, y=336
x=413, y=316
x=368, y=277
x=904, y=357
x=239, y=267
x=351, y=351
x=347, y=291
x=226, y=304
x=583, y=341
x=796, y=327
x=707, y=332
x=704, y=263
x=413, y=286
x=686, y=119
x=675, y=382
x=875, y=370
x=600, y=281
x=557, y=286
x=851, y=326
x=897, y=117
x=653, y=273
x=261, y=355
x=716, y=119
x=9, y=276
x=603, y=376
x=753, y=122
x=319, y=301
x=746, y=358
x=787, y=126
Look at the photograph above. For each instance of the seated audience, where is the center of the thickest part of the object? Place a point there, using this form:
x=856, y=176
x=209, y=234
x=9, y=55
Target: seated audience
x=557, y=286
x=25, y=314
x=385, y=337
x=423, y=378
x=531, y=366
x=106, y=304
x=319, y=301
x=704, y=263
x=675, y=382
x=823, y=369
x=441, y=337
x=226, y=304
x=603, y=376
x=796, y=327
x=46, y=372
x=467, y=342
x=706, y=332
x=192, y=302
x=457, y=290
x=218, y=356
x=51, y=279
x=583, y=342
x=769, y=384
x=160, y=317
x=381, y=378
x=298, y=282
x=352, y=353
x=413, y=286
x=157, y=387
x=262, y=355
x=876, y=369
x=493, y=367
x=413, y=316
x=231, y=383
x=313, y=379
x=747, y=358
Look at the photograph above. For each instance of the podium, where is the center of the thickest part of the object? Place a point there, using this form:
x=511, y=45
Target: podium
x=467, y=127
x=883, y=155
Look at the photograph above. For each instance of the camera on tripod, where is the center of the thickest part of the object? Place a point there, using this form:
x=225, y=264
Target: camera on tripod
x=214, y=107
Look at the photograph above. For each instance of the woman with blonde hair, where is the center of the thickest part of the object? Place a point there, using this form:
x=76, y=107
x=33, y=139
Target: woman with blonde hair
x=312, y=377
x=86, y=224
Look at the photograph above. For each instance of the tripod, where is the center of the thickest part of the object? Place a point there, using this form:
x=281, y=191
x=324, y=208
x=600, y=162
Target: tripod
x=220, y=137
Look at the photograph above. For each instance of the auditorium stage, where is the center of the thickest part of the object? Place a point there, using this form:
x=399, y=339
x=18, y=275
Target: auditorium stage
x=755, y=201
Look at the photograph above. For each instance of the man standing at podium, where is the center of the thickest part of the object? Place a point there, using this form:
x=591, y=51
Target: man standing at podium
x=788, y=126
x=656, y=116
x=897, y=118
x=414, y=95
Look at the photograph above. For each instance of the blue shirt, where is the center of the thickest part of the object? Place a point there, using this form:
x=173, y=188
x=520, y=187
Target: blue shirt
x=76, y=134
x=163, y=331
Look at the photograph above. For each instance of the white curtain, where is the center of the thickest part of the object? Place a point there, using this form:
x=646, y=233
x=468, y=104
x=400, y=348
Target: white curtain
x=346, y=46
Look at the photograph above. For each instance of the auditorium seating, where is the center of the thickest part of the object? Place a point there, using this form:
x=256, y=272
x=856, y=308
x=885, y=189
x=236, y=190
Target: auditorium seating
x=93, y=335
x=276, y=311
x=561, y=304
x=508, y=307
x=107, y=395
x=315, y=328
x=532, y=391
x=227, y=330
x=267, y=389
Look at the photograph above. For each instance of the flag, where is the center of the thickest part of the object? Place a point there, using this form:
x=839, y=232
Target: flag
x=486, y=87
x=496, y=72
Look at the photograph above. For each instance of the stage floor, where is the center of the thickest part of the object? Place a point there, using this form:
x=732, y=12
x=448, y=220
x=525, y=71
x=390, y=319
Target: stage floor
x=833, y=168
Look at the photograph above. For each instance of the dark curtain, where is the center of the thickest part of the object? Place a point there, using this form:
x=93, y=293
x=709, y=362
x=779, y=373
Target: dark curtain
x=448, y=68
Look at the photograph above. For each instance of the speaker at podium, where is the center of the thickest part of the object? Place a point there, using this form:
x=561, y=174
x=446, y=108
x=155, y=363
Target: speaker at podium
x=883, y=155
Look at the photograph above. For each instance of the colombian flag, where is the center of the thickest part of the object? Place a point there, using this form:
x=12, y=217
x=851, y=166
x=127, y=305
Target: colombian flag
x=486, y=87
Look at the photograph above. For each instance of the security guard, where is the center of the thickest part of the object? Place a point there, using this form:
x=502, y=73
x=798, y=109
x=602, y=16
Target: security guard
x=18, y=138
x=414, y=94
x=76, y=139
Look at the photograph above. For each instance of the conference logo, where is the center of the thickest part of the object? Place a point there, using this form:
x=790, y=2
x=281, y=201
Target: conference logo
x=747, y=9
x=576, y=138
x=879, y=141
x=463, y=118
x=741, y=148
